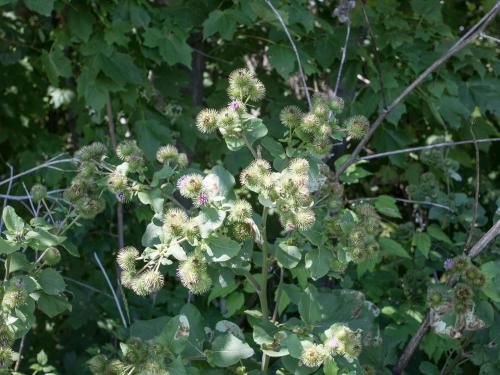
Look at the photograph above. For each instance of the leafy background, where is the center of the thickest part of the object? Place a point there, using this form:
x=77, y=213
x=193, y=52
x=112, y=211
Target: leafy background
x=156, y=63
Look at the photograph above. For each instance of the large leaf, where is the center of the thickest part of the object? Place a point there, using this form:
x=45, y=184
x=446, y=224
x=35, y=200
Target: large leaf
x=228, y=350
x=221, y=248
x=43, y=7
x=391, y=247
x=11, y=220
x=51, y=281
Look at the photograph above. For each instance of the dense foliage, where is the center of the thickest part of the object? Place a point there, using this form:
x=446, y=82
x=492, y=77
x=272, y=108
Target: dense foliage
x=187, y=218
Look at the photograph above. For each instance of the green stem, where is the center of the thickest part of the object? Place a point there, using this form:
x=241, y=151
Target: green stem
x=7, y=268
x=278, y=295
x=249, y=146
x=70, y=224
x=263, y=288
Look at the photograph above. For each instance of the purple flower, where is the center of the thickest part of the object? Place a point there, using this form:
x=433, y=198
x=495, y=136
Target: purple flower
x=120, y=196
x=448, y=264
x=201, y=199
x=19, y=283
x=234, y=105
x=332, y=343
x=181, y=182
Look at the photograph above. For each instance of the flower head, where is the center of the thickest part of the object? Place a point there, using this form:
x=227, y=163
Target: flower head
x=291, y=117
x=126, y=258
x=313, y=356
x=190, y=185
x=167, y=153
x=206, y=121
x=448, y=264
x=241, y=211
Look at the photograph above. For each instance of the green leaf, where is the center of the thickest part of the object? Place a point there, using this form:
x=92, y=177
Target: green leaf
x=56, y=65
x=153, y=198
x=234, y=303
x=330, y=367
x=43, y=7
x=386, y=205
x=172, y=47
x=423, y=243
x=121, y=68
x=175, y=334
x=42, y=358
x=51, y=281
x=491, y=272
x=228, y=350
x=221, y=248
x=225, y=181
x=309, y=306
x=11, y=220
x=391, y=247
x=71, y=248
x=274, y=147
x=282, y=59
x=80, y=22
x=53, y=305
x=288, y=256
x=222, y=22
x=148, y=329
x=437, y=233
x=40, y=239
x=209, y=220
x=7, y=247
x=317, y=261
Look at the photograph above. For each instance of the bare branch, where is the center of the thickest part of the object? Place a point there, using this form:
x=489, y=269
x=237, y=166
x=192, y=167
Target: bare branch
x=294, y=47
x=119, y=208
x=344, y=53
x=485, y=240
x=461, y=43
x=115, y=297
x=426, y=203
x=34, y=169
x=424, y=148
x=476, y=194
x=490, y=38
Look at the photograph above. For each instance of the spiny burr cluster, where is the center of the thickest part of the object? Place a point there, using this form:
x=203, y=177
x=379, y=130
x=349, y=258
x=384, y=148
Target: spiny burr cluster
x=286, y=191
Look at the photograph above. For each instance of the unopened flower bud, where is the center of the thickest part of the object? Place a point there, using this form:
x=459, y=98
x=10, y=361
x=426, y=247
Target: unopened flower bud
x=38, y=193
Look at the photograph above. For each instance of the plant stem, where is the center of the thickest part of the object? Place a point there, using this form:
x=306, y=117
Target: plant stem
x=278, y=295
x=7, y=268
x=263, y=288
x=249, y=146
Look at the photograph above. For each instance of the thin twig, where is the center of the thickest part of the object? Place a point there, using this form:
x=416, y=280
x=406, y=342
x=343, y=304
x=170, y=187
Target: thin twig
x=294, y=47
x=35, y=211
x=6, y=199
x=489, y=37
x=375, y=54
x=89, y=287
x=20, y=352
x=115, y=297
x=424, y=148
x=425, y=325
x=278, y=295
x=34, y=169
x=119, y=207
x=476, y=193
x=461, y=43
x=426, y=203
x=344, y=53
